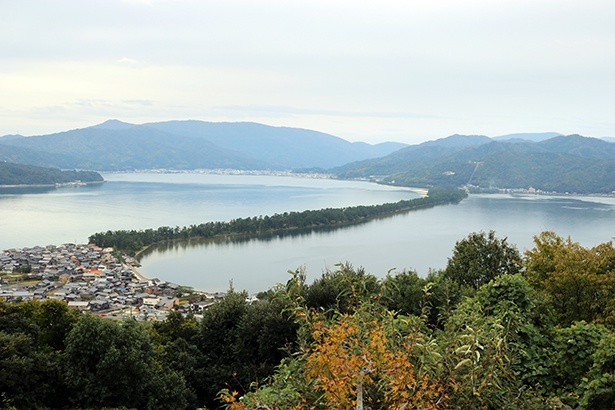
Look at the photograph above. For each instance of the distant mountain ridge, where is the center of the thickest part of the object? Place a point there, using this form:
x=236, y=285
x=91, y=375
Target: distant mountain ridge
x=115, y=145
x=528, y=136
x=571, y=163
x=545, y=161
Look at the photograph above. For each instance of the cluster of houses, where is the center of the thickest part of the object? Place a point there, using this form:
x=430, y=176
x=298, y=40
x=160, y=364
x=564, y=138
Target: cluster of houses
x=90, y=278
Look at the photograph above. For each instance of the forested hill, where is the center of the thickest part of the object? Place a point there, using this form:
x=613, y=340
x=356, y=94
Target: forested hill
x=573, y=163
x=182, y=145
x=19, y=174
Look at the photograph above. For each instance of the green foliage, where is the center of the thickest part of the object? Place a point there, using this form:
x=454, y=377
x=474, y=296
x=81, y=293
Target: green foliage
x=598, y=388
x=481, y=257
x=341, y=289
x=442, y=294
x=346, y=338
x=23, y=269
x=507, y=293
x=134, y=241
x=562, y=164
x=114, y=364
x=579, y=282
x=241, y=343
x=176, y=326
x=287, y=388
x=488, y=346
x=19, y=174
x=29, y=377
x=574, y=348
x=404, y=293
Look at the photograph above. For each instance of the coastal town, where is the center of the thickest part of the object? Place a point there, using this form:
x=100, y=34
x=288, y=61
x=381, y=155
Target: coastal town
x=91, y=278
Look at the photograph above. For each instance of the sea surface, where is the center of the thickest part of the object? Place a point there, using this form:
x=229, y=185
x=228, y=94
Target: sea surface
x=419, y=240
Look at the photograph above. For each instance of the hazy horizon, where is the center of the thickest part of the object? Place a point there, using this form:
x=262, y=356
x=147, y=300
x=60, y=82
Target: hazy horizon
x=280, y=126
x=363, y=71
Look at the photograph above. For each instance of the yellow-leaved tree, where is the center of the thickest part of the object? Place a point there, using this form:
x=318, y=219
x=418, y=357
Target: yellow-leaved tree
x=363, y=359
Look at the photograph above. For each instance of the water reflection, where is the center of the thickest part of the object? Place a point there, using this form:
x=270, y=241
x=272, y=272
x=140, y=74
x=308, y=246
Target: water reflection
x=418, y=240
x=8, y=191
x=21, y=190
x=204, y=243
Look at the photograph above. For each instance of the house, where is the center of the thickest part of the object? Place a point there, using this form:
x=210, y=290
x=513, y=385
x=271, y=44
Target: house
x=79, y=305
x=199, y=307
x=151, y=301
x=99, y=304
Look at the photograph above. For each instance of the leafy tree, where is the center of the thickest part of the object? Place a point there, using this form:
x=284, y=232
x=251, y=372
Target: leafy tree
x=177, y=338
x=579, y=282
x=404, y=293
x=31, y=346
x=114, y=364
x=218, y=343
x=266, y=335
x=574, y=350
x=368, y=358
x=242, y=342
x=288, y=388
x=54, y=321
x=29, y=377
x=176, y=326
x=481, y=257
x=442, y=295
x=484, y=346
x=361, y=359
x=341, y=289
x=530, y=323
x=598, y=388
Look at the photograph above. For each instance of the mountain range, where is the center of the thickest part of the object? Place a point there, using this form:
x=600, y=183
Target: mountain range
x=545, y=161
x=181, y=145
x=572, y=163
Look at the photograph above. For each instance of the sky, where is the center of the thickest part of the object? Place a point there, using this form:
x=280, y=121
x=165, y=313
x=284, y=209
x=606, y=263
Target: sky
x=372, y=71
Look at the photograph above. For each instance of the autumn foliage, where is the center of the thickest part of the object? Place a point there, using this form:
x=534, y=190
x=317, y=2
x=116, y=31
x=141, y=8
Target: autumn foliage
x=538, y=335
x=360, y=359
x=533, y=334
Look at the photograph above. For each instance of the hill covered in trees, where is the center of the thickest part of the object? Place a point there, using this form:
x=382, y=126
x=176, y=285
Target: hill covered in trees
x=571, y=163
x=494, y=329
x=184, y=145
x=544, y=161
x=20, y=174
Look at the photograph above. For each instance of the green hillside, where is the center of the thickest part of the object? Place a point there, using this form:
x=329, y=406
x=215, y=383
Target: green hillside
x=20, y=174
x=572, y=164
x=182, y=145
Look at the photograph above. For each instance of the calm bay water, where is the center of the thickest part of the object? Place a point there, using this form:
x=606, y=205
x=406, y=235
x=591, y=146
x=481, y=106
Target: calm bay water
x=418, y=240
x=149, y=200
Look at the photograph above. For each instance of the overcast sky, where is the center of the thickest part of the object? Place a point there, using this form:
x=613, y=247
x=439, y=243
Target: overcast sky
x=370, y=71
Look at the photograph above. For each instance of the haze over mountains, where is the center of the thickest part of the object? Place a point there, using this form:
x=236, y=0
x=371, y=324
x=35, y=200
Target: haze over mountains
x=545, y=161
x=560, y=164
x=116, y=146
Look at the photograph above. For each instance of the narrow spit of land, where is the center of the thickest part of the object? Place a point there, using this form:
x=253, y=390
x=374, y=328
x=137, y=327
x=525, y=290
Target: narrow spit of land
x=131, y=242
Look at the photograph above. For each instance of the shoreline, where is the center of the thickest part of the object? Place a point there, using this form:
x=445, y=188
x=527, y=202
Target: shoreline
x=134, y=270
x=56, y=185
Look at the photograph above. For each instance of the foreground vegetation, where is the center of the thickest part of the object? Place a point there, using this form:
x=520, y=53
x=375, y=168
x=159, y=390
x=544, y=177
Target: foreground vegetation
x=494, y=330
x=134, y=241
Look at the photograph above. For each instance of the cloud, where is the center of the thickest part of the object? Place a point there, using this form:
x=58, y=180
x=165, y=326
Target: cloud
x=148, y=103
x=279, y=110
x=128, y=62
